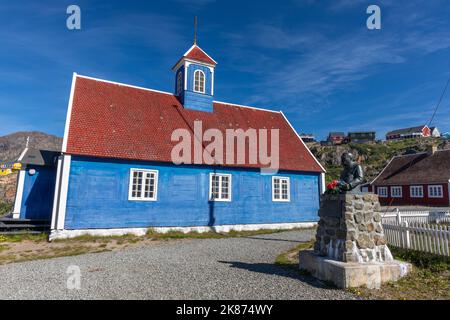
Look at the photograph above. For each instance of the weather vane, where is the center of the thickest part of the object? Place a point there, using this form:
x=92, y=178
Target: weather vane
x=195, y=30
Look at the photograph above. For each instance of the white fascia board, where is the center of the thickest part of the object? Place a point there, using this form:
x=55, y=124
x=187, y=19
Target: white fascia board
x=123, y=84
x=69, y=113
x=371, y=183
x=306, y=147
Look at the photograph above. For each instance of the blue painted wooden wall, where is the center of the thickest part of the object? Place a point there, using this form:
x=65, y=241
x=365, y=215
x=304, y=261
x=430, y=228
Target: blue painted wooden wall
x=38, y=193
x=194, y=100
x=98, y=197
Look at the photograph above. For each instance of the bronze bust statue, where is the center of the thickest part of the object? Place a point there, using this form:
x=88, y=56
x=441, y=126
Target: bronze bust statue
x=351, y=175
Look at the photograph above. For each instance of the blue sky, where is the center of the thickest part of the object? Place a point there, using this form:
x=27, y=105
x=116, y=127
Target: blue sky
x=315, y=60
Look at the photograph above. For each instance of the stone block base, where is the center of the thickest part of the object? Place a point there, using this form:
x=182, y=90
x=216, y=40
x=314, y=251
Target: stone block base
x=352, y=274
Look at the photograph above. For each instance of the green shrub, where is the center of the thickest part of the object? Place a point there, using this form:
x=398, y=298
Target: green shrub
x=423, y=260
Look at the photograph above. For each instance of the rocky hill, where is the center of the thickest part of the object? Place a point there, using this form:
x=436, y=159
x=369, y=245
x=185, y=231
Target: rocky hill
x=10, y=148
x=372, y=156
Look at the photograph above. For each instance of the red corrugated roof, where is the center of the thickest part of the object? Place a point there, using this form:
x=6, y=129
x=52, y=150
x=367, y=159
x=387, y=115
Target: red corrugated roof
x=119, y=121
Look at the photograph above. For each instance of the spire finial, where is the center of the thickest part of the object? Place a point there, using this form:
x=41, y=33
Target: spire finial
x=195, y=30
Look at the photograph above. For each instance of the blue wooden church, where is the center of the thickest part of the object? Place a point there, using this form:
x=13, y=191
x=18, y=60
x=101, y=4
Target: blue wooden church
x=116, y=173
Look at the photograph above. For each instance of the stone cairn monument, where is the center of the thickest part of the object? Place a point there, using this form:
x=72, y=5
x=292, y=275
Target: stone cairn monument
x=350, y=229
x=350, y=248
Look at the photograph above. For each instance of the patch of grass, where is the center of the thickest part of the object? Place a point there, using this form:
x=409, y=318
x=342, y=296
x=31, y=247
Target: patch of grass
x=101, y=239
x=429, y=279
x=25, y=236
x=423, y=260
x=289, y=259
x=209, y=235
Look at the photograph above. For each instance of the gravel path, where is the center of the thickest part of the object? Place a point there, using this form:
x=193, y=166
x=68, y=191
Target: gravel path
x=235, y=268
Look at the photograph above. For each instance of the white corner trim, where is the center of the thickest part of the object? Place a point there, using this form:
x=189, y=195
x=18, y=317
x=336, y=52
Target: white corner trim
x=322, y=183
x=212, y=81
x=56, y=194
x=19, y=194
x=63, y=190
x=67, y=234
x=69, y=113
x=306, y=147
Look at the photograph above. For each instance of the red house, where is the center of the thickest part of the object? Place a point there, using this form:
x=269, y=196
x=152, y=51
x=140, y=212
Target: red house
x=336, y=137
x=415, y=179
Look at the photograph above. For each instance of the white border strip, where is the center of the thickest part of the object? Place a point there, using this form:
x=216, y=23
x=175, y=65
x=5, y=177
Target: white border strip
x=69, y=113
x=64, y=188
x=293, y=129
x=124, y=85
x=56, y=194
x=19, y=194
x=67, y=234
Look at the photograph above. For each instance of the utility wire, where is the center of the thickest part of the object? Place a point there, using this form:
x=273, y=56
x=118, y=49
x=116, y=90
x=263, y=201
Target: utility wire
x=439, y=103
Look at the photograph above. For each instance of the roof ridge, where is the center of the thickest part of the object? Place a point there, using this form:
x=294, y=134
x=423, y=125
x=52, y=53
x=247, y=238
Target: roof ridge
x=124, y=84
x=245, y=106
x=165, y=92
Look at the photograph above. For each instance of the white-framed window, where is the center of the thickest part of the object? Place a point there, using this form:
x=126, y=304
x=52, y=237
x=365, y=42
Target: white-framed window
x=416, y=191
x=143, y=185
x=219, y=187
x=396, y=192
x=179, y=82
x=382, y=192
x=199, y=81
x=435, y=191
x=281, y=189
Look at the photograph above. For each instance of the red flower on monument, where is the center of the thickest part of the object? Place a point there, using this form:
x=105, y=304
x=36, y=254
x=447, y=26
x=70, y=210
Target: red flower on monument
x=332, y=185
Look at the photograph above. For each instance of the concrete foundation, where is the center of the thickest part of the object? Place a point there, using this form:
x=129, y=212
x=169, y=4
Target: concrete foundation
x=352, y=274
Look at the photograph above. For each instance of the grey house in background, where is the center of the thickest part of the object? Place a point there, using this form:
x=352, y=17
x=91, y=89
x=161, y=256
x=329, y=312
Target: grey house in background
x=361, y=137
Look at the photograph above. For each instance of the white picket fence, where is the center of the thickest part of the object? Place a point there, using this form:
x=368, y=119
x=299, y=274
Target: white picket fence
x=424, y=216
x=418, y=230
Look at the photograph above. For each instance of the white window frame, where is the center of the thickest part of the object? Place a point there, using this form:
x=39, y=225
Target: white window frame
x=439, y=187
x=130, y=186
x=416, y=194
x=384, y=194
x=288, y=180
x=393, y=195
x=200, y=84
x=230, y=188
